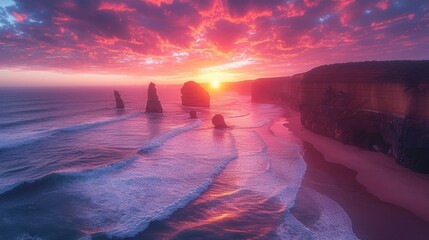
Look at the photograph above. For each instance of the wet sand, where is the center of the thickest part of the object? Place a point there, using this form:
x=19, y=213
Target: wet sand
x=371, y=217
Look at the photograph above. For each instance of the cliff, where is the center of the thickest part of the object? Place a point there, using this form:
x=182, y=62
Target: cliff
x=280, y=90
x=153, y=104
x=376, y=105
x=267, y=90
x=241, y=87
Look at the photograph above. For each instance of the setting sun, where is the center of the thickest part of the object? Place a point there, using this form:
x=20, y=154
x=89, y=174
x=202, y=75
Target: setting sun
x=214, y=84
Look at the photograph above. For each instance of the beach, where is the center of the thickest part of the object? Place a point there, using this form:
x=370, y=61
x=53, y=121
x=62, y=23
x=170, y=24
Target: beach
x=365, y=184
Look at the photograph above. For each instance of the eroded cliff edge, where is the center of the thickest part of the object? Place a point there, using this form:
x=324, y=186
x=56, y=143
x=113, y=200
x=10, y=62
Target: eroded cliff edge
x=382, y=106
x=279, y=90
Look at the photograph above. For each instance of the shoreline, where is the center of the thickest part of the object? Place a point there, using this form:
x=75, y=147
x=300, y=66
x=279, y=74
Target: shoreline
x=376, y=209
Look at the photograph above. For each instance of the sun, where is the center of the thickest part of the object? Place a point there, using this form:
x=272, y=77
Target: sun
x=214, y=84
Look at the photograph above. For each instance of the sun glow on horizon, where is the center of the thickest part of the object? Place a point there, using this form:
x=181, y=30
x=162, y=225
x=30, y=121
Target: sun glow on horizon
x=214, y=84
x=218, y=76
x=204, y=41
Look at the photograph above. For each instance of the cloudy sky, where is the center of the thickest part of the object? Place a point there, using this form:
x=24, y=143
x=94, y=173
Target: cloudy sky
x=166, y=41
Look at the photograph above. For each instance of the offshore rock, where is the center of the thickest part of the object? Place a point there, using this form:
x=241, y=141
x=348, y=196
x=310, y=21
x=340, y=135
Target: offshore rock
x=119, y=102
x=194, y=95
x=219, y=122
x=153, y=103
x=193, y=114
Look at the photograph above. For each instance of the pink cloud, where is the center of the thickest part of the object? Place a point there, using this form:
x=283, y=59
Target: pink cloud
x=19, y=17
x=225, y=34
x=385, y=24
x=117, y=7
x=179, y=37
x=311, y=3
x=383, y=4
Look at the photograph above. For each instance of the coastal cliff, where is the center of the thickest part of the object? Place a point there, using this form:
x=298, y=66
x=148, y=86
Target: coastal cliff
x=241, y=87
x=380, y=106
x=280, y=90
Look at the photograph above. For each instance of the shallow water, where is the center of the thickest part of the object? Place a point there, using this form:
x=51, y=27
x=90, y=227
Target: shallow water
x=73, y=167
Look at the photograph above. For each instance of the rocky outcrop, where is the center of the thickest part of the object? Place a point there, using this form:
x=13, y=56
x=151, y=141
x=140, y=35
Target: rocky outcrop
x=153, y=104
x=119, y=102
x=193, y=114
x=376, y=105
x=194, y=95
x=267, y=90
x=382, y=106
x=281, y=90
x=218, y=121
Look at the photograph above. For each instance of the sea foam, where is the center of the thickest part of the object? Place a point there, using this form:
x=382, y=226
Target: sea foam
x=155, y=185
x=151, y=145
x=31, y=137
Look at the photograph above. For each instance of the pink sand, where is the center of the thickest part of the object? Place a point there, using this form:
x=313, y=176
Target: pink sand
x=380, y=174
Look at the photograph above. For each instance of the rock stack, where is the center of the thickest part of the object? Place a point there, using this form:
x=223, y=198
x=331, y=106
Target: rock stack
x=153, y=103
x=119, y=102
x=219, y=122
x=194, y=95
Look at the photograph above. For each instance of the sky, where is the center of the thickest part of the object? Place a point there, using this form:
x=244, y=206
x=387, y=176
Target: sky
x=101, y=42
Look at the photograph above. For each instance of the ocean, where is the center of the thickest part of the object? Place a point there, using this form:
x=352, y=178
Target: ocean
x=74, y=167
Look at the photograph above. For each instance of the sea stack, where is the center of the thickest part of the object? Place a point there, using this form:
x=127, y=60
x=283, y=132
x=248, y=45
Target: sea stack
x=218, y=121
x=119, y=102
x=153, y=103
x=194, y=95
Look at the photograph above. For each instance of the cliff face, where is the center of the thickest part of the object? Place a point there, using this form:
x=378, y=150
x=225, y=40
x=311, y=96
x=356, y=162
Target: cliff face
x=267, y=90
x=281, y=90
x=376, y=105
x=241, y=87
x=382, y=106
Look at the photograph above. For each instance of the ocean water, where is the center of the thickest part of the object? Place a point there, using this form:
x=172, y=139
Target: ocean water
x=74, y=167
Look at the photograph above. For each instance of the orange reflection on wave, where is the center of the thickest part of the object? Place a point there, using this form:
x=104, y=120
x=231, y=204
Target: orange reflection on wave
x=225, y=193
x=219, y=217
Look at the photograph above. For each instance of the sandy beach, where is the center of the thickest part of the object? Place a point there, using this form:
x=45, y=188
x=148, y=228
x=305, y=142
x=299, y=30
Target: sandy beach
x=383, y=199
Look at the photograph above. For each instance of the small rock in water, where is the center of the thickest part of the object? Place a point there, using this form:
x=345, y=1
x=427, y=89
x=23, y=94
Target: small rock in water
x=218, y=121
x=193, y=114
